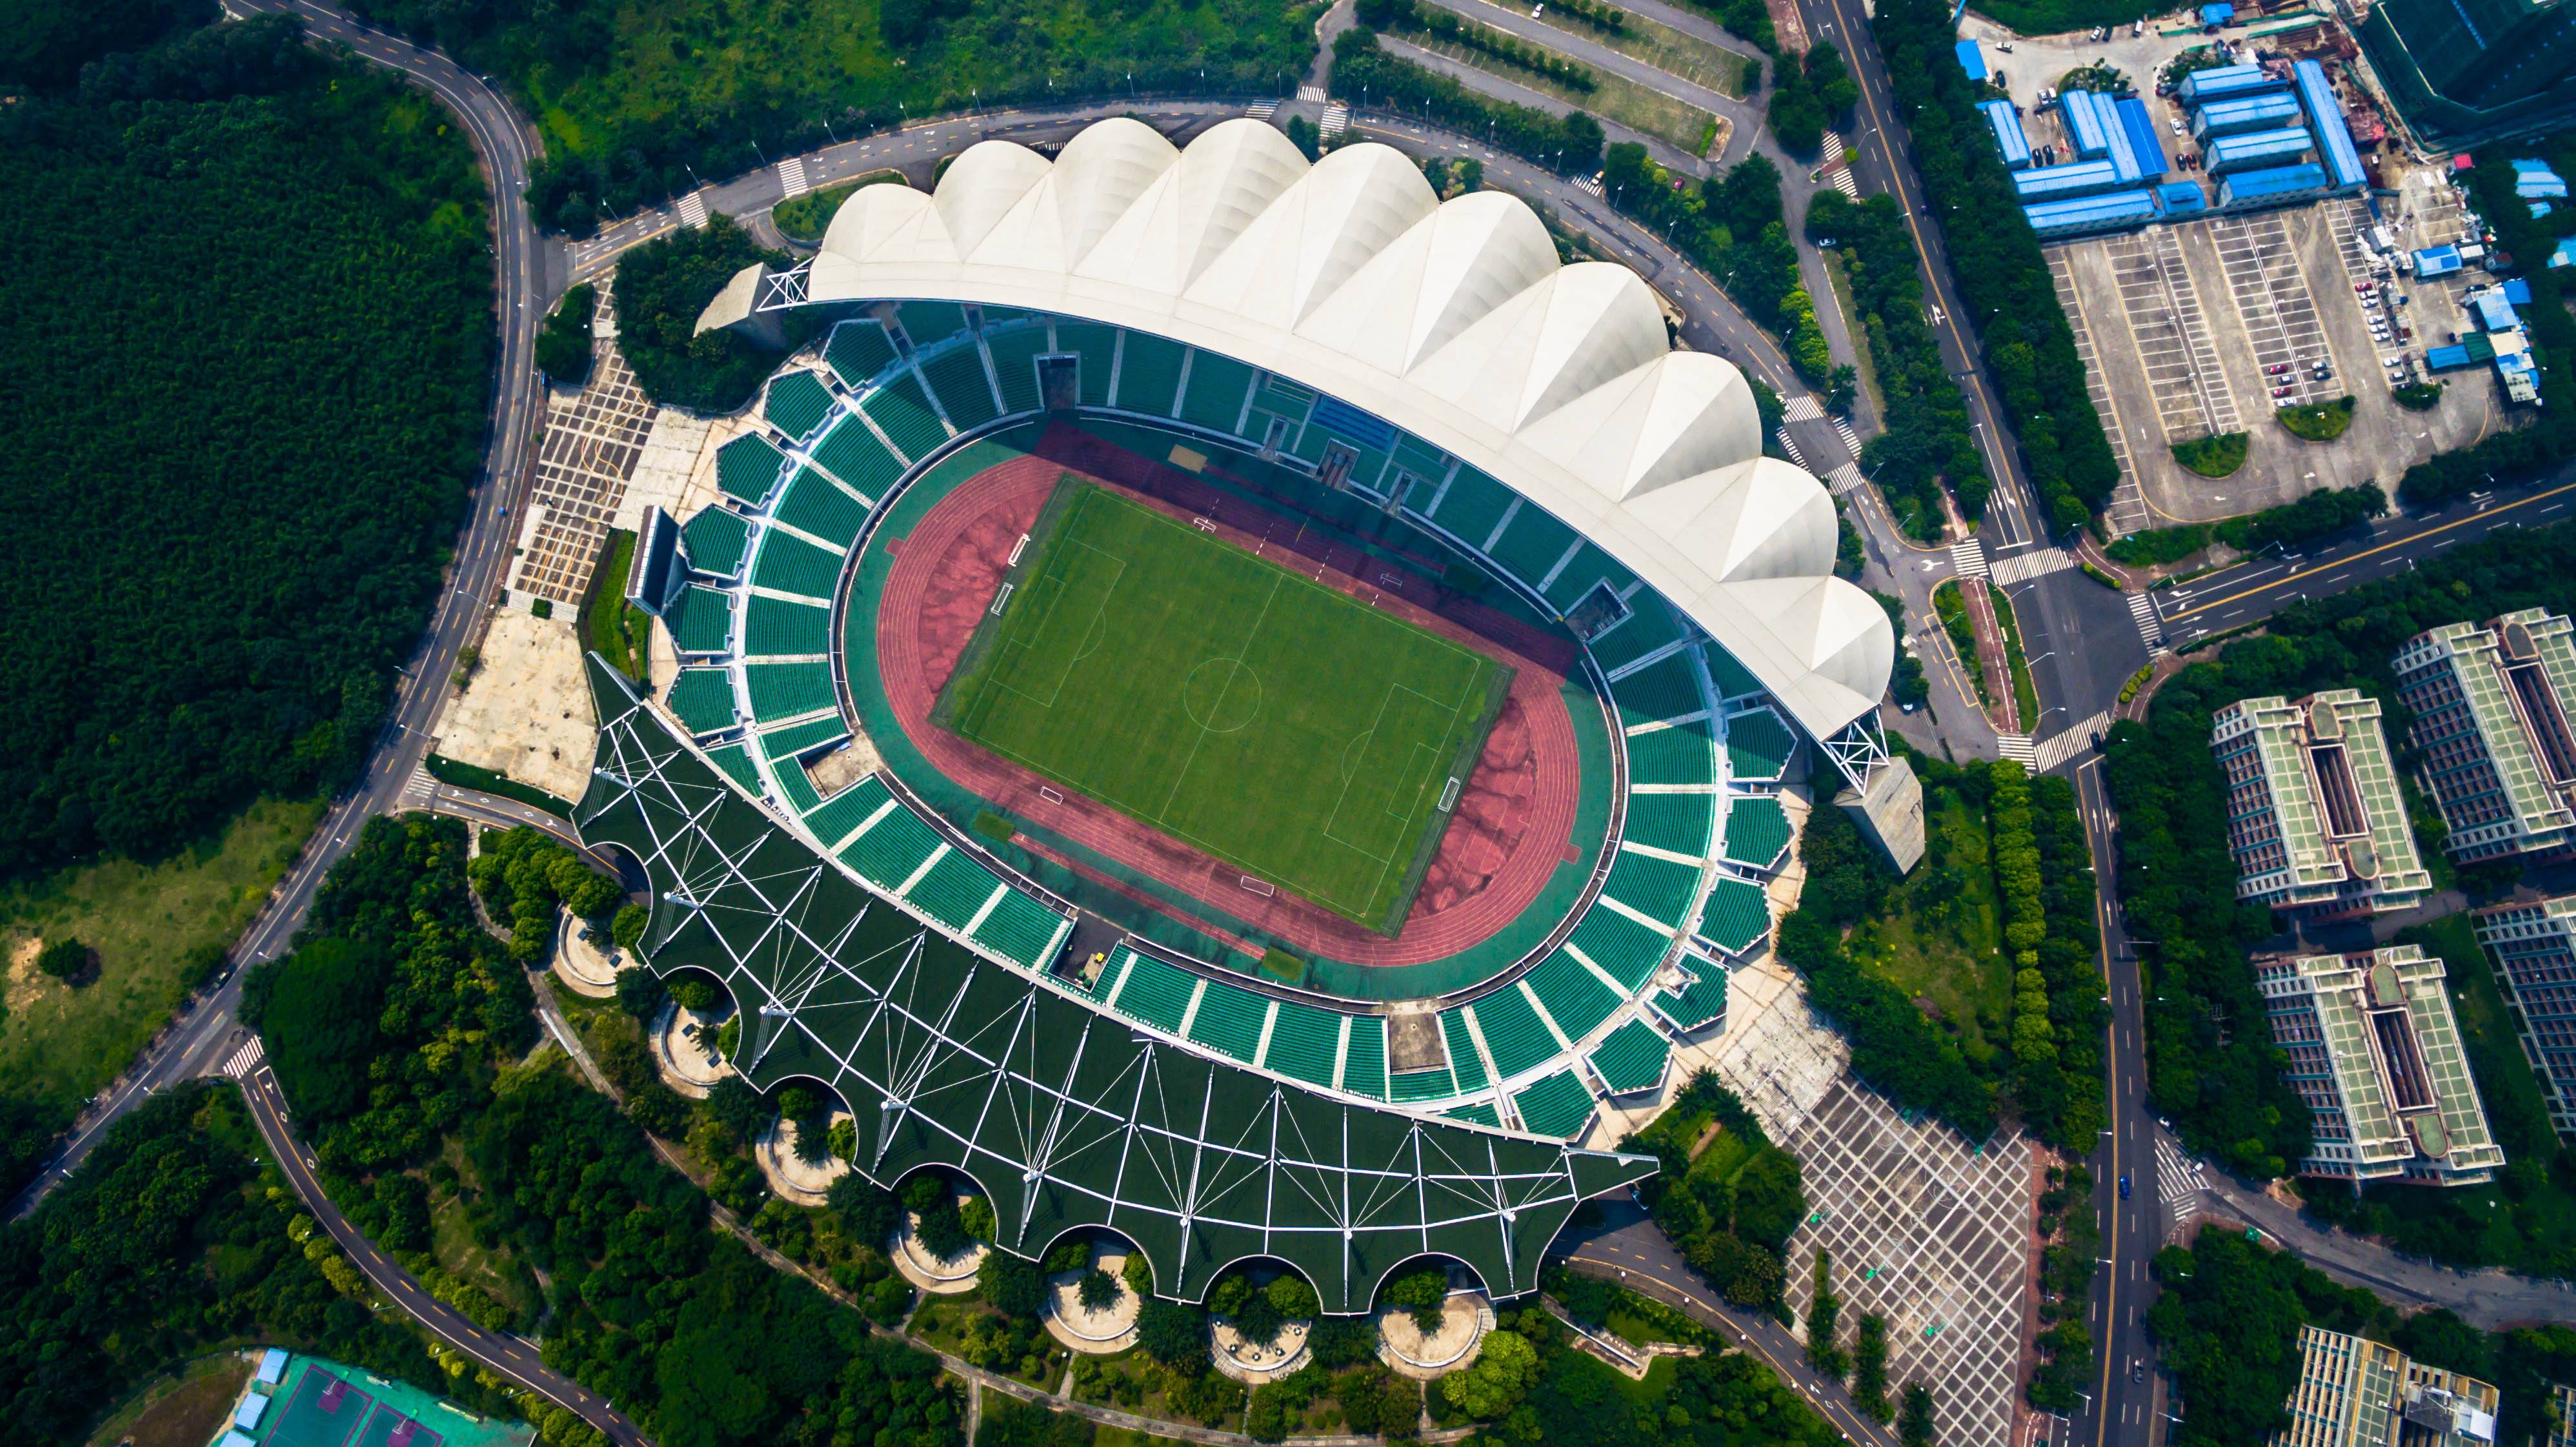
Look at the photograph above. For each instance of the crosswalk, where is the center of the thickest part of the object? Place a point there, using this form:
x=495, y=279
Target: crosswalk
x=419, y=789
x=2019, y=749
x=2057, y=748
x=693, y=210
x=1262, y=110
x=1802, y=408
x=1969, y=557
x=1590, y=185
x=245, y=1060
x=791, y=177
x=1311, y=93
x=1789, y=447
x=1844, y=478
x=2181, y=1181
x=1840, y=177
x=2151, y=625
x=1850, y=438
x=2037, y=563
x=1337, y=119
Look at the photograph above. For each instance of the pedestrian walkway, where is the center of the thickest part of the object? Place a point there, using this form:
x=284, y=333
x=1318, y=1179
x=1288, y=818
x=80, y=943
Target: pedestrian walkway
x=693, y=209
x=1845, y=478
x=245, y=1060
x=1850, y=438
x=1262, y=110
x=419, y=789
x=2181, y=1181
x=1312, y=93
x=791, y=177
x=2151, y=625
x=1839, y=177
x=2057, y=748
x=2037, y=563
x=1789, y=447
x=1337, y=119
x=1802, y=408
x=1590, y=185
x=2019, y=749
x=1969, y=557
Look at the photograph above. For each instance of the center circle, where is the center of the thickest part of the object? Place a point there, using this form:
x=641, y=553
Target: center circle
x=1221, y=695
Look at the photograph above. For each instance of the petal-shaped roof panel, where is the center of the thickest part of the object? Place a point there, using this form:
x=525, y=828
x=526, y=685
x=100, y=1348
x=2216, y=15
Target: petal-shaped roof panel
x=1452, y=321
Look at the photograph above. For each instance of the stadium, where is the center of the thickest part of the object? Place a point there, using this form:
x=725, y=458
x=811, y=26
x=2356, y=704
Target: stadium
x=1229, y=700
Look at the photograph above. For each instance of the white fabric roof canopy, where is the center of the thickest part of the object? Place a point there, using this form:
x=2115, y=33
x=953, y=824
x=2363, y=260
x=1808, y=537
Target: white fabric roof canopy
x=1454, y=321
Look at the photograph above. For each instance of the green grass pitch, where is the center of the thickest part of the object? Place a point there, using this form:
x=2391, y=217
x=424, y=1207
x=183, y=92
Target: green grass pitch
x=1281, y=726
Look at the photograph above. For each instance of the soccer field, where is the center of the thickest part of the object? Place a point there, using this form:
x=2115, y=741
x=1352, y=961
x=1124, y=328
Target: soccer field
x=1281, y=726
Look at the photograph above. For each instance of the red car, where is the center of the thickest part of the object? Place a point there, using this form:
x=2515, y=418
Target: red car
x=2280, y=392
x=2276, y=369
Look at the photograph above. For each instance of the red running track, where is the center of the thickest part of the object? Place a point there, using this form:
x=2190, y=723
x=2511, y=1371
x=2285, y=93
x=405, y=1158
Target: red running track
x=1515, y=816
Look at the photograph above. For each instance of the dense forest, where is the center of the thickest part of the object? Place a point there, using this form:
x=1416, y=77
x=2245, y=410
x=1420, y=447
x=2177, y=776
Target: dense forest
x=663, y=285
x=1734, y=228
x=638, y=102
x=250, y=308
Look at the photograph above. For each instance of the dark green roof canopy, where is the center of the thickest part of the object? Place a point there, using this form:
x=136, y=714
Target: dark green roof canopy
x=1066, y=1117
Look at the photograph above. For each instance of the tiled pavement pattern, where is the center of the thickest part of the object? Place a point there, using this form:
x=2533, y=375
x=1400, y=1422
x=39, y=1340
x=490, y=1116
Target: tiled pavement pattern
x=1922, y=1228
x=591, y=442
x=2127, y=512
x=2272, y=296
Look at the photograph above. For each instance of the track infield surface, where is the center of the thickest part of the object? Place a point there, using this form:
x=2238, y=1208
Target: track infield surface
x=1278, y=724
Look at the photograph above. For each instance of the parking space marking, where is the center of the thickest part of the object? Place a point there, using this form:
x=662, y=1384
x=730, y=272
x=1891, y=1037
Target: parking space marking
x=2277, y=308
x=2127, y=511
x=2165, y=316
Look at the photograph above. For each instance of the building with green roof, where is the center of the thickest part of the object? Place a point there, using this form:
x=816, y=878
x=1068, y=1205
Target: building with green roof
x=2372, y=1046
x=2315, y=817
x=2492, y=704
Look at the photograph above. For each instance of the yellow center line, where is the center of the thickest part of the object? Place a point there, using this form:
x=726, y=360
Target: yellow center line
x=2350, y=558
x=2111, y=1299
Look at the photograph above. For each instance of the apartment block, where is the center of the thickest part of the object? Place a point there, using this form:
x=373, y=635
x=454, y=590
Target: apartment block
x=2533, y=946
x=2315, y=817
x=2491, y=704
x=2374, y=1050
x=2355, y=1392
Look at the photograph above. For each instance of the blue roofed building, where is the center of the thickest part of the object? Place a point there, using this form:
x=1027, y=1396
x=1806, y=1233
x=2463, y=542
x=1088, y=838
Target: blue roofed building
x=2084, y=128
x=2495, y=312
x=2056, y=183
x=2277, y=186
x=2259, y=150
x=2122, y=155
x=2325, y=119
x=2534, y=179
x=2437, y=261
x=2218, y=14
x=2010, y=138
x=2181, y=198
x=2227, y=81
x=2240, y=114
x=2144, y=144
x=1971, y=61
x=2082, y=215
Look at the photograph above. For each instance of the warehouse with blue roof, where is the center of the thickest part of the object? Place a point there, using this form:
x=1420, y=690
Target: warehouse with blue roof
x=1971, y=61
x=2244, y=113
x=2325, y=118
x=2227, y=82
x=2274, y=186
x=2258, y=150
x=2055, y=183
x=2144, y=144
x=2084, y=128
x=2083, y=214
x=2014, y=142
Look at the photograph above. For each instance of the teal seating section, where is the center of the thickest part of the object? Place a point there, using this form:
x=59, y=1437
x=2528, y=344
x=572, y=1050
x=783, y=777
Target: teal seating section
x=797, y=404
x=1757, y=831
x=1632, y=1058
x=1364, y=1063
x=1529, y=548
x=1015, y=367
x=1731, y=679
x=795, y=784
x=816, y=504
x=1698, y=1004
x=1097, y=346
x=715, y=541
x=1464, y=1063
x=843, y=812
x=1686, y=753
x=735, y=761
x=785, y=690
x=1664, y=689
x=853, y=454
x=800, y=738
x=902, y=412
x=859, y=350
x=702, y=699
x=1737, y=915
x=1556, y=1105
x=1758, y=746
x=1305, y=1043
x=774, y=627
x=1575, y=997
x=931, y=322
x=1473, y=504
x=748, y=467
x=1657, y=888
x=1480, y=1113
x=964, y=388
x=1022, y=929
x=793, y=565
x=1682, y=823
x=892, y=848
x=1650, y=625
x=1229, y=1020
x=1627, y=950
x=1149, y=373
x=1217, y=388
x=1155, y=993
x=954, y=890
x=1419, y=1085
x=1513, y=1033
x=1585, y=569
x=700, y=621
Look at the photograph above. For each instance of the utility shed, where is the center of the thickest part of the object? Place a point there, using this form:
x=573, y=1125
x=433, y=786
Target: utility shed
x=2437, y=261
x=1971, y=61
x=2279, y=186
x=2181, y=198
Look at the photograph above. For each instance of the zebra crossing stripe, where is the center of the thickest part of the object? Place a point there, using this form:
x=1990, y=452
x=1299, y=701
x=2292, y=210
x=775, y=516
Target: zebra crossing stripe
x=1851, y=439
x=1802, y=408
x=693, y=210
x=1263, y=110
x=1969, y=557
x=2151, y=626
x=2057, y=748
x=2017, y=747
x=1789, y=447
x=2021, y=567
x=244, y=1060
x=1337, y=119
x=1844, y=478
x=1311, y=92
x=791, y=177
x=1844, y=183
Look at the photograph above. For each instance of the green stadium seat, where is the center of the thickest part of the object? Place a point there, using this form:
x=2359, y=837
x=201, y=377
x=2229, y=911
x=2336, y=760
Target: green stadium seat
x=1757, y=831
x=1015, y=367
x=1513, y=1034
x=1218, y=387
x=1698, y=1004
x=792, y=565
x=892, y=849
x=1471, y=507
x=1625, y=949
x=1557, y=1106
x=1682, y=823
x=1656, y=888
x=1155, y=993
x=1229, y=1021
x=930, y=322
x=1364, y=1063
x=859, y=350
x=1731, y=679
x=702, y=699
x=1686, y=753
x=795, y=784
x=1465, y=1065
x=1530, y=547
x=1419, y=457
x=1758, y=746
x=735, y=761
x=1097, y=346
x=1737, y=915
x=843, y=812
x=955, y=890
x=1587, y=568
x=1480, y=1113
x=964, y=388
x=776, y=628
x=1650, y=625
x=1573, y=996
x=700, y=620
x=1021, y=929
x=853, y=454
x=715, y=541
x=1149, y=373
x=815, y=504
x=802, y=738
x=797, y=404
x=785, y=690
x=748, y=467
x=1632, y=1058
x=1664, y=689
x=902, y=412
x=1305, y=1043
x=1412, y=1087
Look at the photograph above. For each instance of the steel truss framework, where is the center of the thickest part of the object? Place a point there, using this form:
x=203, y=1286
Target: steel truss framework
x=1063, y=1115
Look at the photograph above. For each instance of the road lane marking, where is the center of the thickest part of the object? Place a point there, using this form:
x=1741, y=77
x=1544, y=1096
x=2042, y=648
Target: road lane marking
x=2384, y=547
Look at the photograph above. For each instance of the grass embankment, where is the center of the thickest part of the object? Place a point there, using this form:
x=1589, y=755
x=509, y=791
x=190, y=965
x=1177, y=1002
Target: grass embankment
x=187, y=1407
x=1952, y=607
x=2318, y=422
x=2217, y=456
x=1611, y=98
x=1940, y=937
x=1674, y=52
x=807, y=217
x=154, y=927
x=2025, y=694
x=611, y=626
x=474, y=776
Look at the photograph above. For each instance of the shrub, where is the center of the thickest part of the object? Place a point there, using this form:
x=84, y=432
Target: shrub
x=563, y=343
x=2216, y=456
x=662, y=286
x=67, y=960
x=1013, y=1286
x=1098, y=1290
x=1171, y=1333
x=629, y=926
x=1424, y=1293
x=976, y=1215
x=2317, y=422
x=2158, y=546
x=1259, y=1321
x=2418, y=396
x=1295, y=1299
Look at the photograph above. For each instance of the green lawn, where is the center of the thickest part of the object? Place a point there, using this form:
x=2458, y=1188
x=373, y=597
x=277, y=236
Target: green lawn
x=1940, y=937
x=1281, y=726
x=59, y=1044
x=1612, y=97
